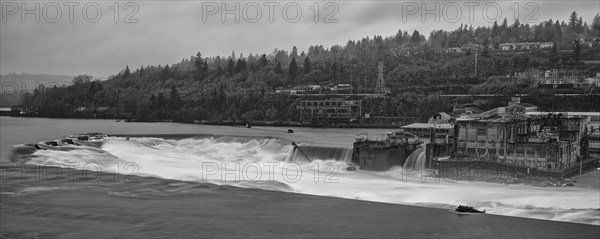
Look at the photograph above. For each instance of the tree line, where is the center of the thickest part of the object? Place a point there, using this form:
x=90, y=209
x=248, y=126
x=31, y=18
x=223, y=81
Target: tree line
x=242, y=88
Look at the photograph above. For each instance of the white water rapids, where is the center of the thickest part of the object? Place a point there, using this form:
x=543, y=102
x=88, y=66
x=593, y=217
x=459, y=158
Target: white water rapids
x=269, y=164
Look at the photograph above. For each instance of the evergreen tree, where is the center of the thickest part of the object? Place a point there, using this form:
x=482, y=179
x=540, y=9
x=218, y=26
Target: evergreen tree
x=307, y=65
x=398, y=38
x=152, y=101
x=595, y=31
x=230, y=66
x=263, y=60
x=334, y=70
x=573, y=23
x=166, y=72
x=294, y=53
x=175, y=101
x=416, y=37
x=199, y=63
x=586, y=31
x=557, y=30
x=160, y=100
x=240, y=66
x=278, y=68
x=495, y=29
x=93, y=89
x=516, y=24
x=554, y=54
x=293, y=68
x=126, y=73
x=577, y=50
x=205, y=66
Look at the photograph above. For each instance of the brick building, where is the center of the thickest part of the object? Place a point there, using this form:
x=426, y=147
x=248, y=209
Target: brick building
x=545, y=142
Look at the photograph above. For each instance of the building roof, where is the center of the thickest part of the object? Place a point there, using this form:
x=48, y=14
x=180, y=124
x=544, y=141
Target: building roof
x=488, y=113
x=427, y=126
x=565, y=113
x=474, y=110
x=522, y=105
x=445, y=115
x=526, y=105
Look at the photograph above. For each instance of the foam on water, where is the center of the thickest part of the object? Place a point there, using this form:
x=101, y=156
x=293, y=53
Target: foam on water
x=270, y=164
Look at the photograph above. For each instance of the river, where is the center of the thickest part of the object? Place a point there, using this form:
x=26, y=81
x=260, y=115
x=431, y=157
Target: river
x=173, y=158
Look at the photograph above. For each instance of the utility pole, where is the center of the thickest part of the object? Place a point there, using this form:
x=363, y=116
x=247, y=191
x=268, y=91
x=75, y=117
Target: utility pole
x=380, y=86
x=476, y=50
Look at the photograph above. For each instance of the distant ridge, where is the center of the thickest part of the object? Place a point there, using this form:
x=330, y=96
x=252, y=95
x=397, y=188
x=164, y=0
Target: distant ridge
x=13, y=86
x=26, y=81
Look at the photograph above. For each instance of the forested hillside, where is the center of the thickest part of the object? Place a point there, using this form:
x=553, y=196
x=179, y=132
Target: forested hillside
x=242, y=88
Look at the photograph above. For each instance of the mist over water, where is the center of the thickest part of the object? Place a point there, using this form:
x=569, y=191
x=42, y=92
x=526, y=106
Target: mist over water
x=273, y=164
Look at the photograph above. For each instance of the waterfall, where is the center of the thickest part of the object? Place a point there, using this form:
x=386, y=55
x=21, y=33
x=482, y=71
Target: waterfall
x=415, y=161
x=321, y=153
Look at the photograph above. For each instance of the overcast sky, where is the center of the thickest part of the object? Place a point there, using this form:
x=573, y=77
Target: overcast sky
x=164, y=32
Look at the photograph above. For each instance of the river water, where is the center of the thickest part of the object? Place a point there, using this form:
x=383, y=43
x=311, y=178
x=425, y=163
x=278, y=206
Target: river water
x=259, y=158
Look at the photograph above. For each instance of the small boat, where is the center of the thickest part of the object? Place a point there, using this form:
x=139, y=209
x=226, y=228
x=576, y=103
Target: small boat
x=290, y=131
x=466, y=209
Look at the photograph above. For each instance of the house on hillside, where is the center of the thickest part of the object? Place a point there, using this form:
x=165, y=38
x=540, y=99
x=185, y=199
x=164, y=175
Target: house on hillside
x=526, y=46
x=508, y=46
x=454, y=50
x=469, y=47
x=546, y=45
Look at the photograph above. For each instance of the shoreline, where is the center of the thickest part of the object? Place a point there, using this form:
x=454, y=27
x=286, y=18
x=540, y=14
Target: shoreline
x=232, y=123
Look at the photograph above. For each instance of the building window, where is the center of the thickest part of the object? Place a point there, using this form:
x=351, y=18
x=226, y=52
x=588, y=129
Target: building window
x=481, y=132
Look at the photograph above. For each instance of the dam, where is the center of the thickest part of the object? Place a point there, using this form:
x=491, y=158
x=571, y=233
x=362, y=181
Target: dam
x=380, y=155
